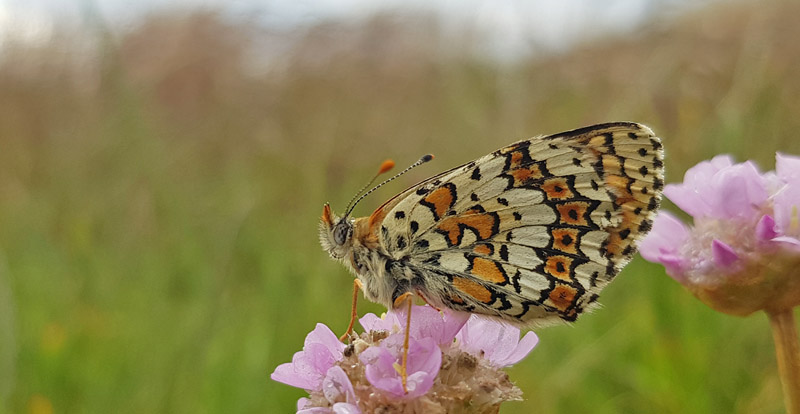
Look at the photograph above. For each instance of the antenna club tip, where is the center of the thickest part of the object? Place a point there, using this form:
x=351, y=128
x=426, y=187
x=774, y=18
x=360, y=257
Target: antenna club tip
x=426, y=157
x=386, y=166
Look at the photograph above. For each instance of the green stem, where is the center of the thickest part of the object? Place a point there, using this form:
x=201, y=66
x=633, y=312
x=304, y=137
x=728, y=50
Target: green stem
x=787, y=351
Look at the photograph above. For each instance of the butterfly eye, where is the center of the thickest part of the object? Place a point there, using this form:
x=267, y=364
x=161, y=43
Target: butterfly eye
x=341, y=232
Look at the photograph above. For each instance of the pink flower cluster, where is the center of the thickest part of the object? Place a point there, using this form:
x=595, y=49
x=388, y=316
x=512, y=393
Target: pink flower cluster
x=318, y=366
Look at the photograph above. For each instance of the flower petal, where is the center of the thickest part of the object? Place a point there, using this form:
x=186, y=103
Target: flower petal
x=787, y=197
x=663, y=243
x=315, y=410
x=495, y=341
x=288, y=374
x=302, y=403
x=371, y=322
x=323, y=335
x=308, y=367
x=790, y=242
x=427, y=322
x=723, y=254
x=738, y=191
x=336, y=387
x=765, y=229
x=424, y=362
x=523, y=348
x=379, y=370
x=692, y=196
x=346, y=408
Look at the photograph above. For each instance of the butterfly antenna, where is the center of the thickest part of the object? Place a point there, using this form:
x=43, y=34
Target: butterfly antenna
x=386, y=166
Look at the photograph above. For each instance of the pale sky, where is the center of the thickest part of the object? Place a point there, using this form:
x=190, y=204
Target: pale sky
x=513, y=23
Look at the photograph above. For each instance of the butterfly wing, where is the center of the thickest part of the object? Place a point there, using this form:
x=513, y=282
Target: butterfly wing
x=531, y=232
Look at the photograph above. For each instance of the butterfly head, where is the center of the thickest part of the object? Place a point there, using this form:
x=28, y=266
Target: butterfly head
x=335, y=234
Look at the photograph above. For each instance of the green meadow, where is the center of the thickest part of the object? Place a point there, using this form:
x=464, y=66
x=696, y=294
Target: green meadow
x=160, y=190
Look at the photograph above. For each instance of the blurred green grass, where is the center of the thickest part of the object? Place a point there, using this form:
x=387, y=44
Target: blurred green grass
x=159, y=200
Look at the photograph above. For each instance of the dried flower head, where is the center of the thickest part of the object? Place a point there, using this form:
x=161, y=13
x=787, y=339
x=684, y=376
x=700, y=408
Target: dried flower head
x=454, y=365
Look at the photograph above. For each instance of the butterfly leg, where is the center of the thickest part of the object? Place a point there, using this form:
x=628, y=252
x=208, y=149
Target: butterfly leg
x=424, y=299
x=403, y=371
x=357, y=286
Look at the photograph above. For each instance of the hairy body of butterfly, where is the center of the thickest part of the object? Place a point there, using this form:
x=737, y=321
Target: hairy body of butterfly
x=530, y=233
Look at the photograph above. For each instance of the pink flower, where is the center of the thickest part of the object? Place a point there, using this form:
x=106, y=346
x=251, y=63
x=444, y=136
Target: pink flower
x=320, y=352
x=743, y=250
x=365, y=376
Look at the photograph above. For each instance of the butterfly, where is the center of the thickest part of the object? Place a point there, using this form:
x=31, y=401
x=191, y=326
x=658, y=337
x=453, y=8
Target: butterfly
x=530, y=233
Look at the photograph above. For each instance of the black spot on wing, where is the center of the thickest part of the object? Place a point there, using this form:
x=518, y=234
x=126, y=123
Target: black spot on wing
x=476, y=174
x=653, y=204
x=504, y=252
x=656, y=143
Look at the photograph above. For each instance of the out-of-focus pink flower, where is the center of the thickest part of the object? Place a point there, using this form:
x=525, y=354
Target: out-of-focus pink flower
x=321, y=350
x=743, y=252
x=498, y=342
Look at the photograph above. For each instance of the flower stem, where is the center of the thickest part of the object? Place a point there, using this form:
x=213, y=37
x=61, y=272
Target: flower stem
x=787, y=351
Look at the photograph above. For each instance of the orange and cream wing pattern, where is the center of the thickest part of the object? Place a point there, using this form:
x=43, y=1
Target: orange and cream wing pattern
x=531, y=232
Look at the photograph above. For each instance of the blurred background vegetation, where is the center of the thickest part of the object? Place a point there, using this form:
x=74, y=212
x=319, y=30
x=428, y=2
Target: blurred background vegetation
x=160, y=192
